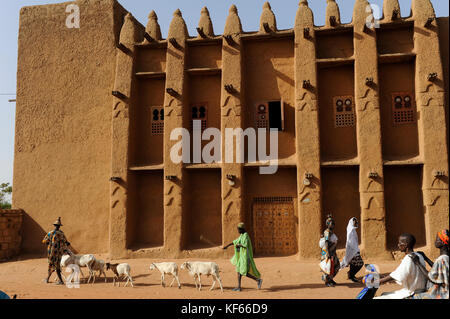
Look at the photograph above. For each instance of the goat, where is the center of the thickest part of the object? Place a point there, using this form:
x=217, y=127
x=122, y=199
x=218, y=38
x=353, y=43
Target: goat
x=120, y=270
x=79, y=260
x=96, y=265
x=198, y=268
x=167, y=268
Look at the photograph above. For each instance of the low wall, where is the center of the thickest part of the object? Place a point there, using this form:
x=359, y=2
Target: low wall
x=10, y=233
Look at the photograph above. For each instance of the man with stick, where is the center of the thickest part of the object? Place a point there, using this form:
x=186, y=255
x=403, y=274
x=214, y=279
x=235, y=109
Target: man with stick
x=56, y=246
x=243, y=258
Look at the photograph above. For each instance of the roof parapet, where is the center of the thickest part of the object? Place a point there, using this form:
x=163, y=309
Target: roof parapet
x=333, y=15
x=233, y=24
x=391, y=10
x=205, y=27
x=177, y=28
x=129, y=34
x=304, y=16
x=362, y=14
x=153, y=30
x=268, y=21
x=423, y=12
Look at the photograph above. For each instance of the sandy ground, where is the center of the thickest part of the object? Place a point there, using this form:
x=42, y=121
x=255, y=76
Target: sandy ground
x=283, y=277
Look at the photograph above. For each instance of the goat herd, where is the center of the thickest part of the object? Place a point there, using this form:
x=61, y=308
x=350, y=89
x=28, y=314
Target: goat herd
x=123, y=270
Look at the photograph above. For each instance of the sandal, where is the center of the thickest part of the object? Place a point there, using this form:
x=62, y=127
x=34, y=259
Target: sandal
x=259, y=283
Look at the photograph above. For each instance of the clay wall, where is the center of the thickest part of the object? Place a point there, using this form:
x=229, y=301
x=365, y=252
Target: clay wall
x=62, y=157
x=268, y=74
x=204, y=91
x=444, y=45
x=395, y=40
x=336, y=143
x=205, y=56
x=203, y=224
x=146, y=146
x=404, y=204
x=146, y=213
x=340, y=198
x=335, y=45
x=399, y=140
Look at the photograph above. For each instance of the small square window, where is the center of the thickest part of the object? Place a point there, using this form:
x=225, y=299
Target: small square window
x=199, y=112
x=262, y=115
x=403, y=108
x=344, y=111
x=157, y=120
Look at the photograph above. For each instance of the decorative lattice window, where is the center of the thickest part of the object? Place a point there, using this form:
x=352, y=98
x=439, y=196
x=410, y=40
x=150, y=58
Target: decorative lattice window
x=273, y=199
x=199, y=113
x=270, y=115
x=157, y=114
x=262, y=115
x=403, y=110
x=344, y=111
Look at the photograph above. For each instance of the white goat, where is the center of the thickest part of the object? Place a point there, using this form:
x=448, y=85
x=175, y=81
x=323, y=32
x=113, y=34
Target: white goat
x=167, y=268
x=79, y=260
x=120, y=270
x=96, y=265
x=198, y=268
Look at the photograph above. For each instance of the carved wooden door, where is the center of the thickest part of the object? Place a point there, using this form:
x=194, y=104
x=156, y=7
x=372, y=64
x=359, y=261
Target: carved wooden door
x=274, y=226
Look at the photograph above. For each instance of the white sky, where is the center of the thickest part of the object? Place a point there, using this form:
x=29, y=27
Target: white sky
x=249, y=11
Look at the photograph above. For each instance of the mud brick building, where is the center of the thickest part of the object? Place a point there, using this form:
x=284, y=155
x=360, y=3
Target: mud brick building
x=361, y=109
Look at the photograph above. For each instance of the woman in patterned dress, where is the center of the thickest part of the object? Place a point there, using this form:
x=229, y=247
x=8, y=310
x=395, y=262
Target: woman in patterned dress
x=439, y=272
x=56, y=246
x=329, y=263
x=352, y=256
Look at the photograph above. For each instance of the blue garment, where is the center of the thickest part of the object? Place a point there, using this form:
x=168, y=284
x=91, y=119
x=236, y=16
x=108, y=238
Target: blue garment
x=3, y=295
x=370, y=280
x=367, y=293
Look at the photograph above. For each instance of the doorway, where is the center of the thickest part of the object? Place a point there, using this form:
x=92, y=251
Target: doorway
x=274, y=226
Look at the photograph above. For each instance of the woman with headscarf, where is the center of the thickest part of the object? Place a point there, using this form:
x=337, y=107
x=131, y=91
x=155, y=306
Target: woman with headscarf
x=352, y=255
x=439, y=273
x=329, y=262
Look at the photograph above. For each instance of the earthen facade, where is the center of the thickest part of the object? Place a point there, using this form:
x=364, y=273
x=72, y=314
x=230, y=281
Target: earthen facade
x=362, y=114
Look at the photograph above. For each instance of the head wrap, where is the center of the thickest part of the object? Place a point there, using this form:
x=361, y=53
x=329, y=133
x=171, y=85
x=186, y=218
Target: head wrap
x=241, y=226
x=352, y=246
x=329, y=220
x=443, y=235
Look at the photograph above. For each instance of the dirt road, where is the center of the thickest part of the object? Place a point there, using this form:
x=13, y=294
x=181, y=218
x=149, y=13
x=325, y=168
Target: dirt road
x=283, y=277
